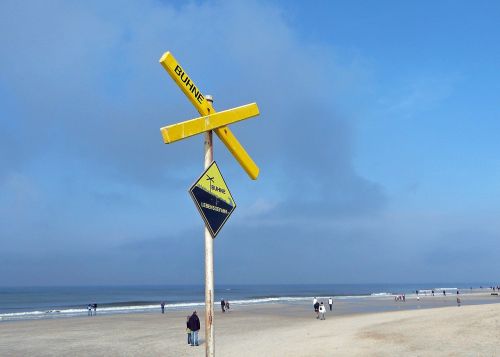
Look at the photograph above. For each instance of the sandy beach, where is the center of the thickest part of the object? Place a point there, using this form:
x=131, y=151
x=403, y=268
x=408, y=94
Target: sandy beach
x=433, y=326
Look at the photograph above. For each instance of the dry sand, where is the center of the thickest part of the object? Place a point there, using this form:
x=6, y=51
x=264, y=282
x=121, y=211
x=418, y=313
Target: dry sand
x=266, y=330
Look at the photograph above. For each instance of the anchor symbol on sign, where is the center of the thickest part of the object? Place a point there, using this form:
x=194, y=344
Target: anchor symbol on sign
x=211, y=179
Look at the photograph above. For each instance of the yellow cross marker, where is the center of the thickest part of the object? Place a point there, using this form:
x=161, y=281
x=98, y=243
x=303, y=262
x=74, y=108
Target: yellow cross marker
x=192, y=127
x=205, y=109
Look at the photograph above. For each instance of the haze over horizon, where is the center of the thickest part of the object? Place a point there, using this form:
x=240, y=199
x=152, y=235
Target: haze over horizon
x=377, y=141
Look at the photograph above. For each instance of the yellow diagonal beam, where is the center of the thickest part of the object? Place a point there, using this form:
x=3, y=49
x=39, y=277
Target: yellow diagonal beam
x=175, y=132
x=205, y=108
x=186, y=84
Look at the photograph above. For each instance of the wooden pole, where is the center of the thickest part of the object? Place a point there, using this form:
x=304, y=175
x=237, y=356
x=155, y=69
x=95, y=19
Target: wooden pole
x=209, y=261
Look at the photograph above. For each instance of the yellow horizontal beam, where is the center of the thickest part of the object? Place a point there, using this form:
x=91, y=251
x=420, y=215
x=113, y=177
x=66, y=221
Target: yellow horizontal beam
x=205, y=108
x=185, y=129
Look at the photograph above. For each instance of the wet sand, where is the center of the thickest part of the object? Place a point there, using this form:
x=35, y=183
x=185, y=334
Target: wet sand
x=433, y=326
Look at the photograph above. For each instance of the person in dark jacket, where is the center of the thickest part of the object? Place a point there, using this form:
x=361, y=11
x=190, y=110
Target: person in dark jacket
x=223, y=305
x=194, y=326
x=316, y=309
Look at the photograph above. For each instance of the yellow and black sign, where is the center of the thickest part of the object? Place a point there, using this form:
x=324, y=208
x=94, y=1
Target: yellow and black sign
x=213, y=199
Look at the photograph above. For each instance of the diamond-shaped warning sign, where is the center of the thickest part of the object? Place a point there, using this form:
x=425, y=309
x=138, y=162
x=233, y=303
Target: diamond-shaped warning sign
x=212, y=198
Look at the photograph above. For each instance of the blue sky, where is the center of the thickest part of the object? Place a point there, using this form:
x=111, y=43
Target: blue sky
x=377, y=141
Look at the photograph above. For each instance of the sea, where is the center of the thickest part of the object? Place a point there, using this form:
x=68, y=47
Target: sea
x=28, y=303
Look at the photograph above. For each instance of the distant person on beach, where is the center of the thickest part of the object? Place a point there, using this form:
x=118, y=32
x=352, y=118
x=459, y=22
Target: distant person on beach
x=444, y=292
x=194, y=326
x=188, y=331
x=95, y=308
x=89, y=310
x=162, y=307
x=223, y=305
x=316, y=309
x=432, y=292
x=227, y=305
x=322, y=311
x=330, y=302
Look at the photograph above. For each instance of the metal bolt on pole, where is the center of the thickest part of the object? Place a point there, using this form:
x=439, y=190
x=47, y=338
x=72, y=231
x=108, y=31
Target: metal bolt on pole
x=209, y=260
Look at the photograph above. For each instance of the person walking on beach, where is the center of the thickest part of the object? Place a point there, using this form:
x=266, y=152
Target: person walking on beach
x=330, y=302
x=89, y=310
x=316, y=309
x=223, y=305
x=194, y=326
x=95, y=308
x=322, y=311
x=188, y=331
x=227, y=305
x=162, y=307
